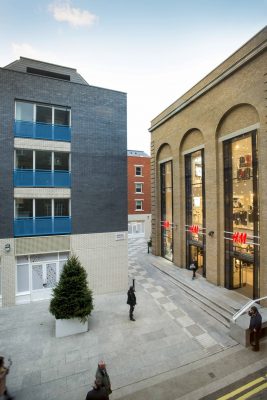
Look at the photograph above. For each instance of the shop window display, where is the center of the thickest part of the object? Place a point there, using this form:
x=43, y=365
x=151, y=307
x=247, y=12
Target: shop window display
x=166, y=209
x=241, y=214
x=195, y=229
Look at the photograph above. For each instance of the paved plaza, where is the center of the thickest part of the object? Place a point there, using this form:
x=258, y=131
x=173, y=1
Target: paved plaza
x=174, y=350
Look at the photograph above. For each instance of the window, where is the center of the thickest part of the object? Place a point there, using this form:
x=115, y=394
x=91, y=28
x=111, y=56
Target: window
x=24, y=208
x=61, y=161
x=138, y=205
x=24, y=111
x=139, y=188
x=62, y=117
x=43, y=208
x=44, y=114
x=241, y=214
x=43, y=160
x=61, y=207
x=24, y=159
x=23, y=278
x=138, y=170
x=166, y=209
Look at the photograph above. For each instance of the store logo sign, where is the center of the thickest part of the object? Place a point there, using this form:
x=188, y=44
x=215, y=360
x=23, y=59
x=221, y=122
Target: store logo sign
x=194, y=229
x=166, y=224
x=239, y=237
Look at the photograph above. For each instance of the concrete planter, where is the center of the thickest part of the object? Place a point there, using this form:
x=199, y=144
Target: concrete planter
x=68, y=327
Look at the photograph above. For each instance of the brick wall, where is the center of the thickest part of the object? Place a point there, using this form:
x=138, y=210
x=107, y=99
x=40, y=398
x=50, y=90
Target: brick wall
x=145, y=179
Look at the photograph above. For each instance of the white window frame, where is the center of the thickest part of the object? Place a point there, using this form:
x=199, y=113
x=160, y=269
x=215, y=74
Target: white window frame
x=142, y=203
x=38, y=198
x=139, y=166
x=43, y=105
x=142, y=187
x=34, y=158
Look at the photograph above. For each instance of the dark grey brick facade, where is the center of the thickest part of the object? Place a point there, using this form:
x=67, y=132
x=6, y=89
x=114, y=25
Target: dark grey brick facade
x=98, y=149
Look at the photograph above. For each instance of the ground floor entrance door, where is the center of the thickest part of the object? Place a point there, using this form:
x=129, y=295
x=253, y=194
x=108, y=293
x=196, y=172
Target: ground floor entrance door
x=196, y=256
x=43, y=279
x=243, y=273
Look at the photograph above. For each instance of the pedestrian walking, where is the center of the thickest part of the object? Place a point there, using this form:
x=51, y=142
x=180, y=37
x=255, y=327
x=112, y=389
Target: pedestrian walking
x=98, y=392
x=255, y=328
x=103, y=377
x=3, y=373
x=131, y=300
x=193, y=269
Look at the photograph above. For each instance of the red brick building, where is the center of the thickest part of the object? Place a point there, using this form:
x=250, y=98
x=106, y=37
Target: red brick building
x=139, y=194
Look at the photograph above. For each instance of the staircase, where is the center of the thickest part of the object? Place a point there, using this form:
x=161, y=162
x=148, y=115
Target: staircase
x=222, y=312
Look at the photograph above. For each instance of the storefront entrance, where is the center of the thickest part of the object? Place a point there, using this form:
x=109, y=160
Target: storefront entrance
x=243, y=277
x=196, y=256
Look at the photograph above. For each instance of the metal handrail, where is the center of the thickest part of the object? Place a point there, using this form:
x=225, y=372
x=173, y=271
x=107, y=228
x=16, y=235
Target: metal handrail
x=246, y=307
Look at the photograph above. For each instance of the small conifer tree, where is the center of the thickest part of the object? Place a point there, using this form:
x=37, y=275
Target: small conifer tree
x=72, y=297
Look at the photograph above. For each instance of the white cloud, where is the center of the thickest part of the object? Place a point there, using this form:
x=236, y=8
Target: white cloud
x=27, y=50
x=24, y=49
x=63, y=12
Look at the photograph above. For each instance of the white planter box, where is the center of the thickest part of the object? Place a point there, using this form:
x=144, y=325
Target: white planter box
x=67, y=327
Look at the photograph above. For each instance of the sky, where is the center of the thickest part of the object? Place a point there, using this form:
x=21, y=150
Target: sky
x=154, y=50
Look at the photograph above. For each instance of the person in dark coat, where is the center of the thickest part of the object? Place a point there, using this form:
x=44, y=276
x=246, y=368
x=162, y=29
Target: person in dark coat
x=193, y=269
x=255, y=328
x=102, y=376
x=98, y=392
x=131, y=300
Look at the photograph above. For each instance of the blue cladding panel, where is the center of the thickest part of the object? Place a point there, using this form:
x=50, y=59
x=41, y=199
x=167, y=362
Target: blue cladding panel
x=23, y=177
x=42, y=131
x=62, y=179
x=62, y=225
x=42, y=226
x=39, y=178
x=43, y=178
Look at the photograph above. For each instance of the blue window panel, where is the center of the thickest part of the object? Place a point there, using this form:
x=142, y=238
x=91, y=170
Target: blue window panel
x=42, y=226
x=23, y=227
x=62, y=225
x=62, y=133
x=24, y=129
x=62, y=179
x=42, y=131
x=23, y=177
x=43, y=178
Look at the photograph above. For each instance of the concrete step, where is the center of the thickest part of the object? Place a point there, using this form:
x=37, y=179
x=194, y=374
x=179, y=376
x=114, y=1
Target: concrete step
x=221, y=312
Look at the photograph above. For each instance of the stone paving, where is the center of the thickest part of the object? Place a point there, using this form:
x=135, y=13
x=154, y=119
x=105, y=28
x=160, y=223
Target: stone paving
x=170, y=333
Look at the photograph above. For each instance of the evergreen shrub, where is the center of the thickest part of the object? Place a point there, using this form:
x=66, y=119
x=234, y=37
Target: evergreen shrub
x=72, y=297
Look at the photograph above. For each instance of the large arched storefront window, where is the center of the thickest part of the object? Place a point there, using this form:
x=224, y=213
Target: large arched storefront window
x=166, y=210
x=195, y=210
x=241, y=214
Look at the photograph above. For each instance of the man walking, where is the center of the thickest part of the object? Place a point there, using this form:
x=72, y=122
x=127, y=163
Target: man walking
x=255, y=328
x=131, y=300
x=102, y=377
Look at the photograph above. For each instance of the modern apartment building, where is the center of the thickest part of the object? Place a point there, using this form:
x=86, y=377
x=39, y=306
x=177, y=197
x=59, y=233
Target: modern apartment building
x=139, y=194
x=63, y=180
x=209, y=189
